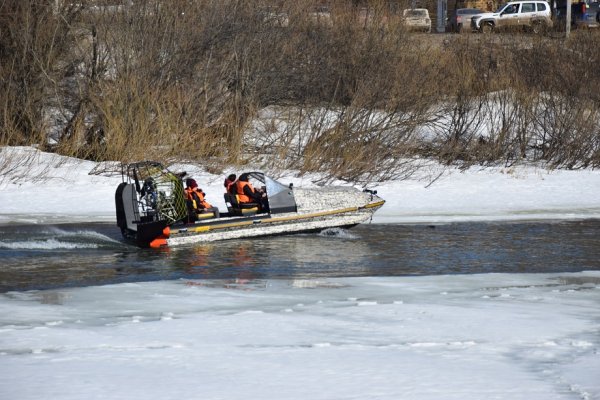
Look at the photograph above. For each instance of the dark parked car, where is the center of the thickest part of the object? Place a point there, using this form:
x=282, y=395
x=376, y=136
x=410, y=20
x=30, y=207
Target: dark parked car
x=584, y=14
x=461, y=19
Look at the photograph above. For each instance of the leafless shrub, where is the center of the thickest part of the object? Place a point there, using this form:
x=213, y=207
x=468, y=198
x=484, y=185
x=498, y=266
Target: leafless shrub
x=34, y=43
x=458, y=118
x=286, y=85
x=528, y=107
x=566, y=111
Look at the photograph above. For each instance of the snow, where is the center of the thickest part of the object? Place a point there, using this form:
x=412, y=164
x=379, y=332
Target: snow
x=64, y=190
x=480, y=336
x=494, y=193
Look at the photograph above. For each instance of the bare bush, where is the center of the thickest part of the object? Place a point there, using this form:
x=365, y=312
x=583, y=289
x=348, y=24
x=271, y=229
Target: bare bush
x=34, y=46
x=458, y=117
x=345, y=93
x=567, y=111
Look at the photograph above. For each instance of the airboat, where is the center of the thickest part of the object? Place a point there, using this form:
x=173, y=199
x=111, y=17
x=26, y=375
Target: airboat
x=152, y=211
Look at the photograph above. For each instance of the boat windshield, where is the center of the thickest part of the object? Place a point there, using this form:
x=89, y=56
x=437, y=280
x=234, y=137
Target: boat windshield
x=257, y=179
x=274, y=187
x=271, y=185
x=280, y=197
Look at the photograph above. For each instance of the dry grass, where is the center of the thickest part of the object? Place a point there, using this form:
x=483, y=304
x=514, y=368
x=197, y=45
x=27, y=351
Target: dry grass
x=187, y=82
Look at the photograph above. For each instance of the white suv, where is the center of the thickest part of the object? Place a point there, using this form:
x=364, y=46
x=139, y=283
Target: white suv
x=417, y=19
x=535, y=15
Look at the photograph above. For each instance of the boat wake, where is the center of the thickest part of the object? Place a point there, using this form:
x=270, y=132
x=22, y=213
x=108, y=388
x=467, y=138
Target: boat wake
x=338, y=233
x=48, y=244
x=52, y=238
x=83, y=234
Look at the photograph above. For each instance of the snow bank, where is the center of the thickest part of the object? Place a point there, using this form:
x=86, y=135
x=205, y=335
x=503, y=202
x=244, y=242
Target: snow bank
x=39, y=187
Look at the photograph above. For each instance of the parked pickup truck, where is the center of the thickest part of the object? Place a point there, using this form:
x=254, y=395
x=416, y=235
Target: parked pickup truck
x=584, y=13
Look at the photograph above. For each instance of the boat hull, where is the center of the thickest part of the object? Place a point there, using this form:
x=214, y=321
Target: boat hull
x=280, y=225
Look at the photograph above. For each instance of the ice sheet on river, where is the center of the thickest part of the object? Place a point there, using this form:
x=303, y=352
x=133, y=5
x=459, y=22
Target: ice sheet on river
x=488, y=336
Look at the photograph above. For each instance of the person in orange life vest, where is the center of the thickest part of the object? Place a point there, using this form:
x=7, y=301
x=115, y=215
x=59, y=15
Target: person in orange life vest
x=229, y=183
x=196, y=202
x=246, y=193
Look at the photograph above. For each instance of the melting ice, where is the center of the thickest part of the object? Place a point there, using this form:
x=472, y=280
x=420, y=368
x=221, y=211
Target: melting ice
x=487, y=336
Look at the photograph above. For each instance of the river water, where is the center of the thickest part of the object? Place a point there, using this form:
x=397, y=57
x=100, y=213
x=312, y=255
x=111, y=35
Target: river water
x=71, y=255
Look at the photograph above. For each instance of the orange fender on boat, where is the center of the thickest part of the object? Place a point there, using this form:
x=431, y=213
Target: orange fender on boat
x=161, y=241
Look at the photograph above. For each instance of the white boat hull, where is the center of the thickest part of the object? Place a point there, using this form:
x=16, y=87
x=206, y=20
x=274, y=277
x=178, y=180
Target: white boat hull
x=282, y=224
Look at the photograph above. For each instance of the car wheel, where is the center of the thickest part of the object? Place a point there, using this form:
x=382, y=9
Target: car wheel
x=487, y=27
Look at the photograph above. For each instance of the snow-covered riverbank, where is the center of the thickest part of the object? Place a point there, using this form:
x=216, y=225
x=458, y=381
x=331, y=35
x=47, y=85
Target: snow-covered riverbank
x=59, y=189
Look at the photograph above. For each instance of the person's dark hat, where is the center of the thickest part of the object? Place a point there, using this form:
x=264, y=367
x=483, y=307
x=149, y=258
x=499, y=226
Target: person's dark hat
x=244, y=177
x=191, y=183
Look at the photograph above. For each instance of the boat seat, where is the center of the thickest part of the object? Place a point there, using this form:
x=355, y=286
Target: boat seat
x=205, y=215
x=236, y=208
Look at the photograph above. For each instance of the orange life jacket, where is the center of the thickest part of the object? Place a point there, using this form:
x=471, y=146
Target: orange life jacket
x=239, y=191
x=197, y=198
